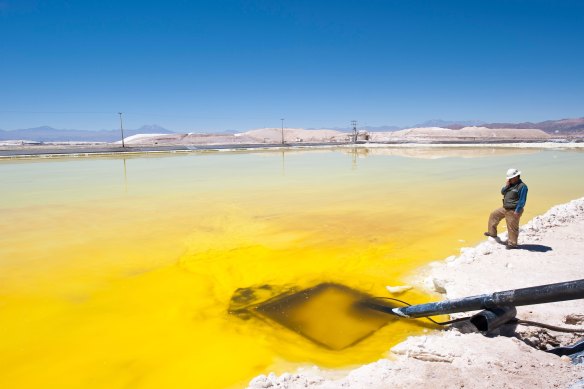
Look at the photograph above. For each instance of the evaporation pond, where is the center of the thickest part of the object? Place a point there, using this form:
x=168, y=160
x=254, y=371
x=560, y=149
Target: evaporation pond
x=119, y=272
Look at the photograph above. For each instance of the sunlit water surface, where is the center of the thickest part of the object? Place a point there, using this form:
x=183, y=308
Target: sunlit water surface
x=118, y=273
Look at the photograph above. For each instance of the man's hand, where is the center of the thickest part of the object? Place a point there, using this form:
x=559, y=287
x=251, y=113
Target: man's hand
x=506, y=182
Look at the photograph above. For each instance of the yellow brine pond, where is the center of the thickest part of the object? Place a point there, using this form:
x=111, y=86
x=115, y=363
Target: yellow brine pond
x=138, y=272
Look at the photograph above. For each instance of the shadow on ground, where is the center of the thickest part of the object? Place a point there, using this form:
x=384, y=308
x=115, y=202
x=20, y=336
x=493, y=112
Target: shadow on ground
x=538, y=248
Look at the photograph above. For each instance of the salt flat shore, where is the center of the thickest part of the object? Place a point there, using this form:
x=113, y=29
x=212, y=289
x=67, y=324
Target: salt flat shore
x=11, y=151
x=551, y=247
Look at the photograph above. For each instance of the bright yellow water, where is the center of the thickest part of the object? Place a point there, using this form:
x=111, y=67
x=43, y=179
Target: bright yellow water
x=117, y=273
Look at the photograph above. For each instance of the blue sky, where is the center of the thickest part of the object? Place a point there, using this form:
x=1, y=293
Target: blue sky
x=236, y=65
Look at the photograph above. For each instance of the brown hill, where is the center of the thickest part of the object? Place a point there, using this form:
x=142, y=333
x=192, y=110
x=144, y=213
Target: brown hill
x=554, y=127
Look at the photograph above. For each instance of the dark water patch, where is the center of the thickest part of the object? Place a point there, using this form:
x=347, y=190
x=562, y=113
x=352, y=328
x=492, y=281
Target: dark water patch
x=328, y=314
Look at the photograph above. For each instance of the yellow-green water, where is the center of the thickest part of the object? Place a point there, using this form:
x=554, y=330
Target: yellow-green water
x=117, y=273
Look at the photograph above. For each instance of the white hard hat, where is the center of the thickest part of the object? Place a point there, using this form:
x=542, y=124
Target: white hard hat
x=512, y=173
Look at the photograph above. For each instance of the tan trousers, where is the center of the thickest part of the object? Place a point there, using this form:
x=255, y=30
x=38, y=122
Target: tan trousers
x=512, y=223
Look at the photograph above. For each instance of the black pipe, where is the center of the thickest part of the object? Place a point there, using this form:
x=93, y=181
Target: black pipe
x=491, y=319
x=562, y=291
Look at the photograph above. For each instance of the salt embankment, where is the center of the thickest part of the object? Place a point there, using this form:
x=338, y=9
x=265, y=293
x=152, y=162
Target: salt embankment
x=464, y=134
x=301, y=135
x=551, y=251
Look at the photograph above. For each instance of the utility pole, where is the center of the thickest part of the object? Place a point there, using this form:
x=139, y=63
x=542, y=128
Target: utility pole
x=354, y=124
x=282, y=130
x=122, y=129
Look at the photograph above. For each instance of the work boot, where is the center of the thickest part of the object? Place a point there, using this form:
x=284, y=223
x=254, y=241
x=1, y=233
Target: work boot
x=489, y=235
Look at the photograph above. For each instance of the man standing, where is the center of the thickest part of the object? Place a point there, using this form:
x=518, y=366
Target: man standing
x=514, y=197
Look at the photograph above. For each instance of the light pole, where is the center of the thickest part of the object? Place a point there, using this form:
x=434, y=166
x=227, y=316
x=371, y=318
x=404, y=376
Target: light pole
x=122, y=129
x=282, y=130
x=354, y=124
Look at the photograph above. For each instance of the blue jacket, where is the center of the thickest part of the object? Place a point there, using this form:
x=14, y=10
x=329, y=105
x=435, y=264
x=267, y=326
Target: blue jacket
x=522, y=196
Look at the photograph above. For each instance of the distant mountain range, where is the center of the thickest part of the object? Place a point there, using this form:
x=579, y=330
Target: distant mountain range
x=428, y=123
x=553, y=127
x=361, y=128
x=49, y=134
x=446, y=123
